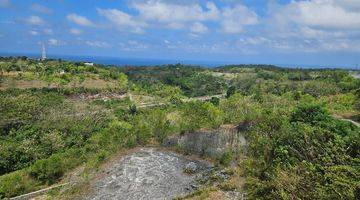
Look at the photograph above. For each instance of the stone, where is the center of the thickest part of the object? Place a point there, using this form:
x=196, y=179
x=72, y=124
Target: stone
x=211, y=143
x=190, y=168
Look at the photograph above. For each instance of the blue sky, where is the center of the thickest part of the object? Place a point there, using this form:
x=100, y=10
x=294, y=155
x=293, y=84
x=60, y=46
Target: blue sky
x=312, y=32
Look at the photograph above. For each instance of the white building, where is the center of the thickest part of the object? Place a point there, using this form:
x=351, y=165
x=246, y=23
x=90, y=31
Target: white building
x=89, y=64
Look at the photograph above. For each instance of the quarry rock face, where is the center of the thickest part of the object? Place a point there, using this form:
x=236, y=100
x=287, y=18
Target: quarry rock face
x=150, y=173
x=212, y=143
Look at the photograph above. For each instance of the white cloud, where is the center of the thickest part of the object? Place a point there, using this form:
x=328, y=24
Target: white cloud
x=53, y=42
x=308, y=32
x=198, y=27
x=193, y=35
x=34, y=33
x=46, y=31
x=234, y=19
x=336, y=46
x=175, y=25
x=181, y=15
x=34, y=20
x=122, y=20
x=79, y=20
x=351, y=5
x=176, y=16
x=41, y=9
x=253, y=41
x=133, y=45
x=314, y=26
x=75, y=31
x=326, y=14
x=99, y=44
x=165, y=12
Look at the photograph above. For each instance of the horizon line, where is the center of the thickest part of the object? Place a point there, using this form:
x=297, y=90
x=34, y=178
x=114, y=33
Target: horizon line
x=194, y=62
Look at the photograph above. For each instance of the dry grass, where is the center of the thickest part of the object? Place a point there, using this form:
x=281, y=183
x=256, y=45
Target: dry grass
x=98, y=84
x=22, y=84
x=226, y=75
x=26, y=84
x=209, y=195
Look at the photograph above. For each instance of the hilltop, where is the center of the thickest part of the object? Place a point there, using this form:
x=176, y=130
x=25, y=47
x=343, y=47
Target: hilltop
x=61, y=119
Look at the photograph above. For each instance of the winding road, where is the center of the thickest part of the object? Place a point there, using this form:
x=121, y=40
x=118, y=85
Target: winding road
x=202, y=98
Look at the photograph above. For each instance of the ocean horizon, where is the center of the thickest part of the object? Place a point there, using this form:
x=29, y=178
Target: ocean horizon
x=132, y=61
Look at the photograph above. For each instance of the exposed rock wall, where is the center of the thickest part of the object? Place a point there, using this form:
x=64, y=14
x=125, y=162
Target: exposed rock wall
x=212, y=143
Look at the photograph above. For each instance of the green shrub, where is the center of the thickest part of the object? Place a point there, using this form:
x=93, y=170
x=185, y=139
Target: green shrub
x=48, y=170
x=321, y=88
x=239, y=108
x=231, y=90
x=311, y=156
x=196, y=115
x=16, y=183
x=144, y=132
x=310, y=113
x=97, y=159
x=226, y=158
x=215, y=101
x=133, y=109
x=340, y=103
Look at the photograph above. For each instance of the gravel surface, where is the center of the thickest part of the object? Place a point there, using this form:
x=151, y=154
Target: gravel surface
x=149, y=174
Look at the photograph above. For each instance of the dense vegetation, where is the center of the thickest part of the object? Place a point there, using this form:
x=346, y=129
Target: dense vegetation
x=298, y=148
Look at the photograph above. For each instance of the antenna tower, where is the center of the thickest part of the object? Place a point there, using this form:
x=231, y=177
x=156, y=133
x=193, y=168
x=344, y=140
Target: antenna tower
x=43, y=54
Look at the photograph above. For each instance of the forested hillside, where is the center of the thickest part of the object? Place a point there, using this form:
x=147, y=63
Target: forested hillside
x=301, y=125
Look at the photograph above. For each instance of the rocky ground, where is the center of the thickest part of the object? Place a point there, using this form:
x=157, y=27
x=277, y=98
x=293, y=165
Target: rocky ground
x=149, y=174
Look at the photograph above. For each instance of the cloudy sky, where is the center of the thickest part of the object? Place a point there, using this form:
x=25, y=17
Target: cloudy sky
x=311, y=32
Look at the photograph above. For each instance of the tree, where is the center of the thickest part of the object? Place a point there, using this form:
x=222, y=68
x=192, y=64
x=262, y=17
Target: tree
x=310, y=113
x=230, y=91
x=133, y=109
x=215, y=101
x=122, y=81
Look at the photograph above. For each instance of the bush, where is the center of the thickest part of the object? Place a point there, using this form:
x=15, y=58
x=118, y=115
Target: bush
x=340, y=103
x=238, y=108
x=196, y=115
x=313, y=157
x=215, y=101
x=321, y=88
x=143, y=131
x=16, y=183
x=231, y=90
x=133, y=109
x=310, y=113
x=226, y=158
x=48, y=170
x=175, y=100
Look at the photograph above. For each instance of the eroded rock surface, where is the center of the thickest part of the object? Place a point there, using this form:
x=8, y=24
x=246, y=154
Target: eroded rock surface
x=149, y=174
x=212, y=143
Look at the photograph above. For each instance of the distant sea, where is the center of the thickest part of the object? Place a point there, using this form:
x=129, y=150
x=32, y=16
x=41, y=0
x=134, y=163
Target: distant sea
x=125, y=61
x=153, y=62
